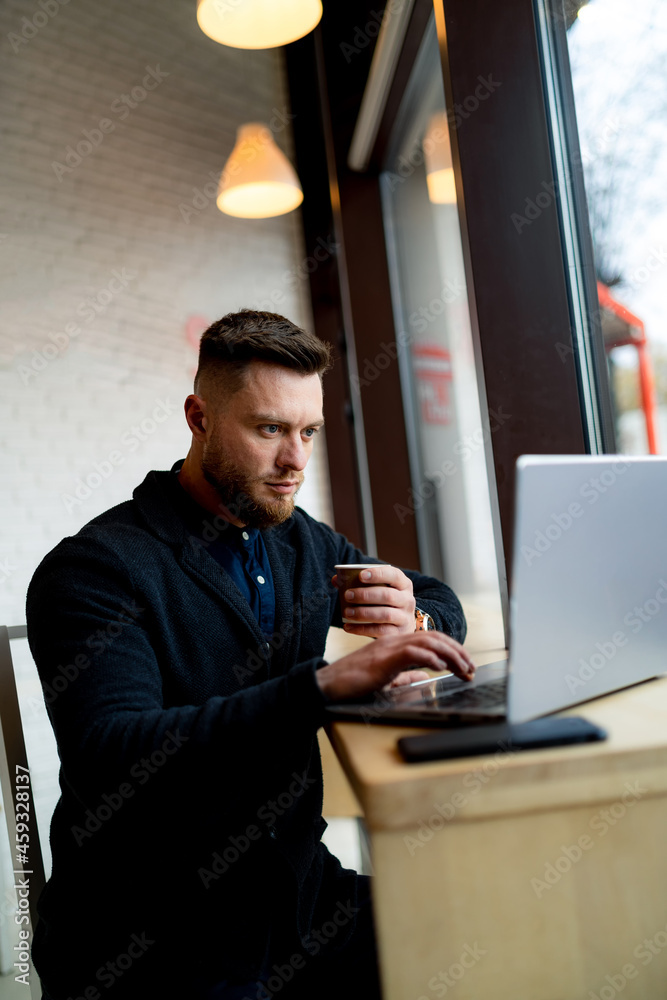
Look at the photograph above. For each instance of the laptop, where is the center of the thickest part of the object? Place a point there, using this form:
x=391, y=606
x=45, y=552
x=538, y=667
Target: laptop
x=588, y=608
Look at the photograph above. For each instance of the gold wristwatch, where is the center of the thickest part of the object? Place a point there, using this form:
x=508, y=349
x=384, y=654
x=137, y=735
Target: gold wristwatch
x=423, y=621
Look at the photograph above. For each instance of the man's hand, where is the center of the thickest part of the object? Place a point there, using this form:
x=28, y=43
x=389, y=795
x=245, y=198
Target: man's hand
x=407, y=677
x=375, y=665
x=388, y=609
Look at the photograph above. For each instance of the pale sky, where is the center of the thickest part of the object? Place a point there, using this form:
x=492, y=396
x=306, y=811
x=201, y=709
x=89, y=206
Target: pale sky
x=618, y=54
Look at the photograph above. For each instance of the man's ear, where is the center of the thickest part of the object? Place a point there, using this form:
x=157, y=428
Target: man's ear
x=196, y=416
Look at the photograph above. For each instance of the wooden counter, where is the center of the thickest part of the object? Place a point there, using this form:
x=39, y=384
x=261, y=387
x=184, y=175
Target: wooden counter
x=534, y=875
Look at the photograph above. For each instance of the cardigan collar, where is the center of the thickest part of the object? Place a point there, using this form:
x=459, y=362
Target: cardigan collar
x=165, y=506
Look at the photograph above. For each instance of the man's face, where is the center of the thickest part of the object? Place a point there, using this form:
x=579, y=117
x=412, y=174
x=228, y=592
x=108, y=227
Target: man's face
x=258, y=445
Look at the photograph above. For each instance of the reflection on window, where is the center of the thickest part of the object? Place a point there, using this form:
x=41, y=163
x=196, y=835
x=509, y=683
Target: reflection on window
x=618, y=56
x=448, y=434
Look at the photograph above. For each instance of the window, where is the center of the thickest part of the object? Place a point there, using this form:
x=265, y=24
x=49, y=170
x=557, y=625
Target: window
x=447, y=433
x=622, y=151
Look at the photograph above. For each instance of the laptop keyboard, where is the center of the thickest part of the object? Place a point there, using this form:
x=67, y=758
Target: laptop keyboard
x=488, y=695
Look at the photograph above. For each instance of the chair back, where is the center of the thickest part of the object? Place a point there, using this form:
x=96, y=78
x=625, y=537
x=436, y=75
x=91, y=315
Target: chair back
x=19, y=802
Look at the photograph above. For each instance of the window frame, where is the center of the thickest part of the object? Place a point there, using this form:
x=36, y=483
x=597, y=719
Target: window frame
x=527, y=352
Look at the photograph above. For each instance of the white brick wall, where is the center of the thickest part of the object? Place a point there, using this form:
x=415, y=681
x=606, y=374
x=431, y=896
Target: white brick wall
x=66, y=233
x=63, y=236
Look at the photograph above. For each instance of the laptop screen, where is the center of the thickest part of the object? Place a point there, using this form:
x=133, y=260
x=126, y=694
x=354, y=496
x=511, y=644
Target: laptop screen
x=588, y=609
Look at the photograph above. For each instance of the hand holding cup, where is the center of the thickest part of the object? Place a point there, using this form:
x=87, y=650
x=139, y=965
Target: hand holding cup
x=376, y=599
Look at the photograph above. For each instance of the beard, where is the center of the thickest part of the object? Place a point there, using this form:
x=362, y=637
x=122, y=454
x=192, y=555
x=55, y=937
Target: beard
x=239, y=492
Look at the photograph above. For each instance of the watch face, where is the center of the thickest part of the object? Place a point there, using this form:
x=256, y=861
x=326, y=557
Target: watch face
x=424, y=621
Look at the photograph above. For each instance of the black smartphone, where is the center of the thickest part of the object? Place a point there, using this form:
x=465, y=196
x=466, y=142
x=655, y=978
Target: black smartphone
x=554, y=731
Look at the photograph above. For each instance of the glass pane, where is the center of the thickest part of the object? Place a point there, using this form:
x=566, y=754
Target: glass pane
x=447, y=432
x=618, y=59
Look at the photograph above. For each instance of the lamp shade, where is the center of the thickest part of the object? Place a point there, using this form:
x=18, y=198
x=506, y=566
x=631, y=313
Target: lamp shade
x=257, y=24
x=438, y=157
x=258, y=180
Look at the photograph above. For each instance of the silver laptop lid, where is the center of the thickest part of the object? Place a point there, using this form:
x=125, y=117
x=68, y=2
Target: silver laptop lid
x=588, y=612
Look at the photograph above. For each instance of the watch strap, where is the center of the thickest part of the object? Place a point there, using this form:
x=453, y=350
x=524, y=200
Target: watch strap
x=423, y=621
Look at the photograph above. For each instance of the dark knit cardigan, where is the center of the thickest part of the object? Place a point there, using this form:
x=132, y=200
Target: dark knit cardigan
x=191, y=805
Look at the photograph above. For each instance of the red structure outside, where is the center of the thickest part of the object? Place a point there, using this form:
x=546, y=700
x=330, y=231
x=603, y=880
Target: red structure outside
x=636, y=336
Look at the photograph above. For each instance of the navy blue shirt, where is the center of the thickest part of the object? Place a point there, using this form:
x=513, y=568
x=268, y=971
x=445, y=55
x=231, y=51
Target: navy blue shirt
x=240, y=551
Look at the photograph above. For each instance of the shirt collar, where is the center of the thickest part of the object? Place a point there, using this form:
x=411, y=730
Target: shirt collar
x=202, y=522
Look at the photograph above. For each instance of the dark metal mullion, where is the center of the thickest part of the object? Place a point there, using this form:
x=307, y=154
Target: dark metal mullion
x=369, y=321
x=598, y=368
x=310, y=116
x=410, y=402
x=517, y=285
x=363, y=479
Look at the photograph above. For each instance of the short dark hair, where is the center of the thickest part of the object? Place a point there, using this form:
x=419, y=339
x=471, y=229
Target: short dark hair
x=229, y=345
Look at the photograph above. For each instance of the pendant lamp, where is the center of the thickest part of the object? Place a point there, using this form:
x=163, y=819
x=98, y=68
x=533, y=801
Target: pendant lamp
x=257, y=24
x=438, y=157
x=258, y=181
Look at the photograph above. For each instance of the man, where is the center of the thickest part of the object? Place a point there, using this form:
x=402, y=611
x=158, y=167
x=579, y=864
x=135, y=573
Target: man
x=179, y=638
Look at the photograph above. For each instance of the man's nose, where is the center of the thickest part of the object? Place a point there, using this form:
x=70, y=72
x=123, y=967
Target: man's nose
x=293, y=454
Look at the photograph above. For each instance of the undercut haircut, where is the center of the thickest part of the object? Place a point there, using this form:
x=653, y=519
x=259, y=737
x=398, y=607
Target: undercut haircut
x=229, y=345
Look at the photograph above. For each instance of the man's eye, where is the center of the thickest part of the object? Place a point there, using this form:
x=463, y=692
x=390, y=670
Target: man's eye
x=271, y=428
x=311, y=431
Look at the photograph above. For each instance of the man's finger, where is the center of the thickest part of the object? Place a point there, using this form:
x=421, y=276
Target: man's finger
x=386, y=596
x=372, y=629
x=371, y=614
x=440, y=652
x=442, y=639
x=390, y=575
x=452, y=662
x=409, y=677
